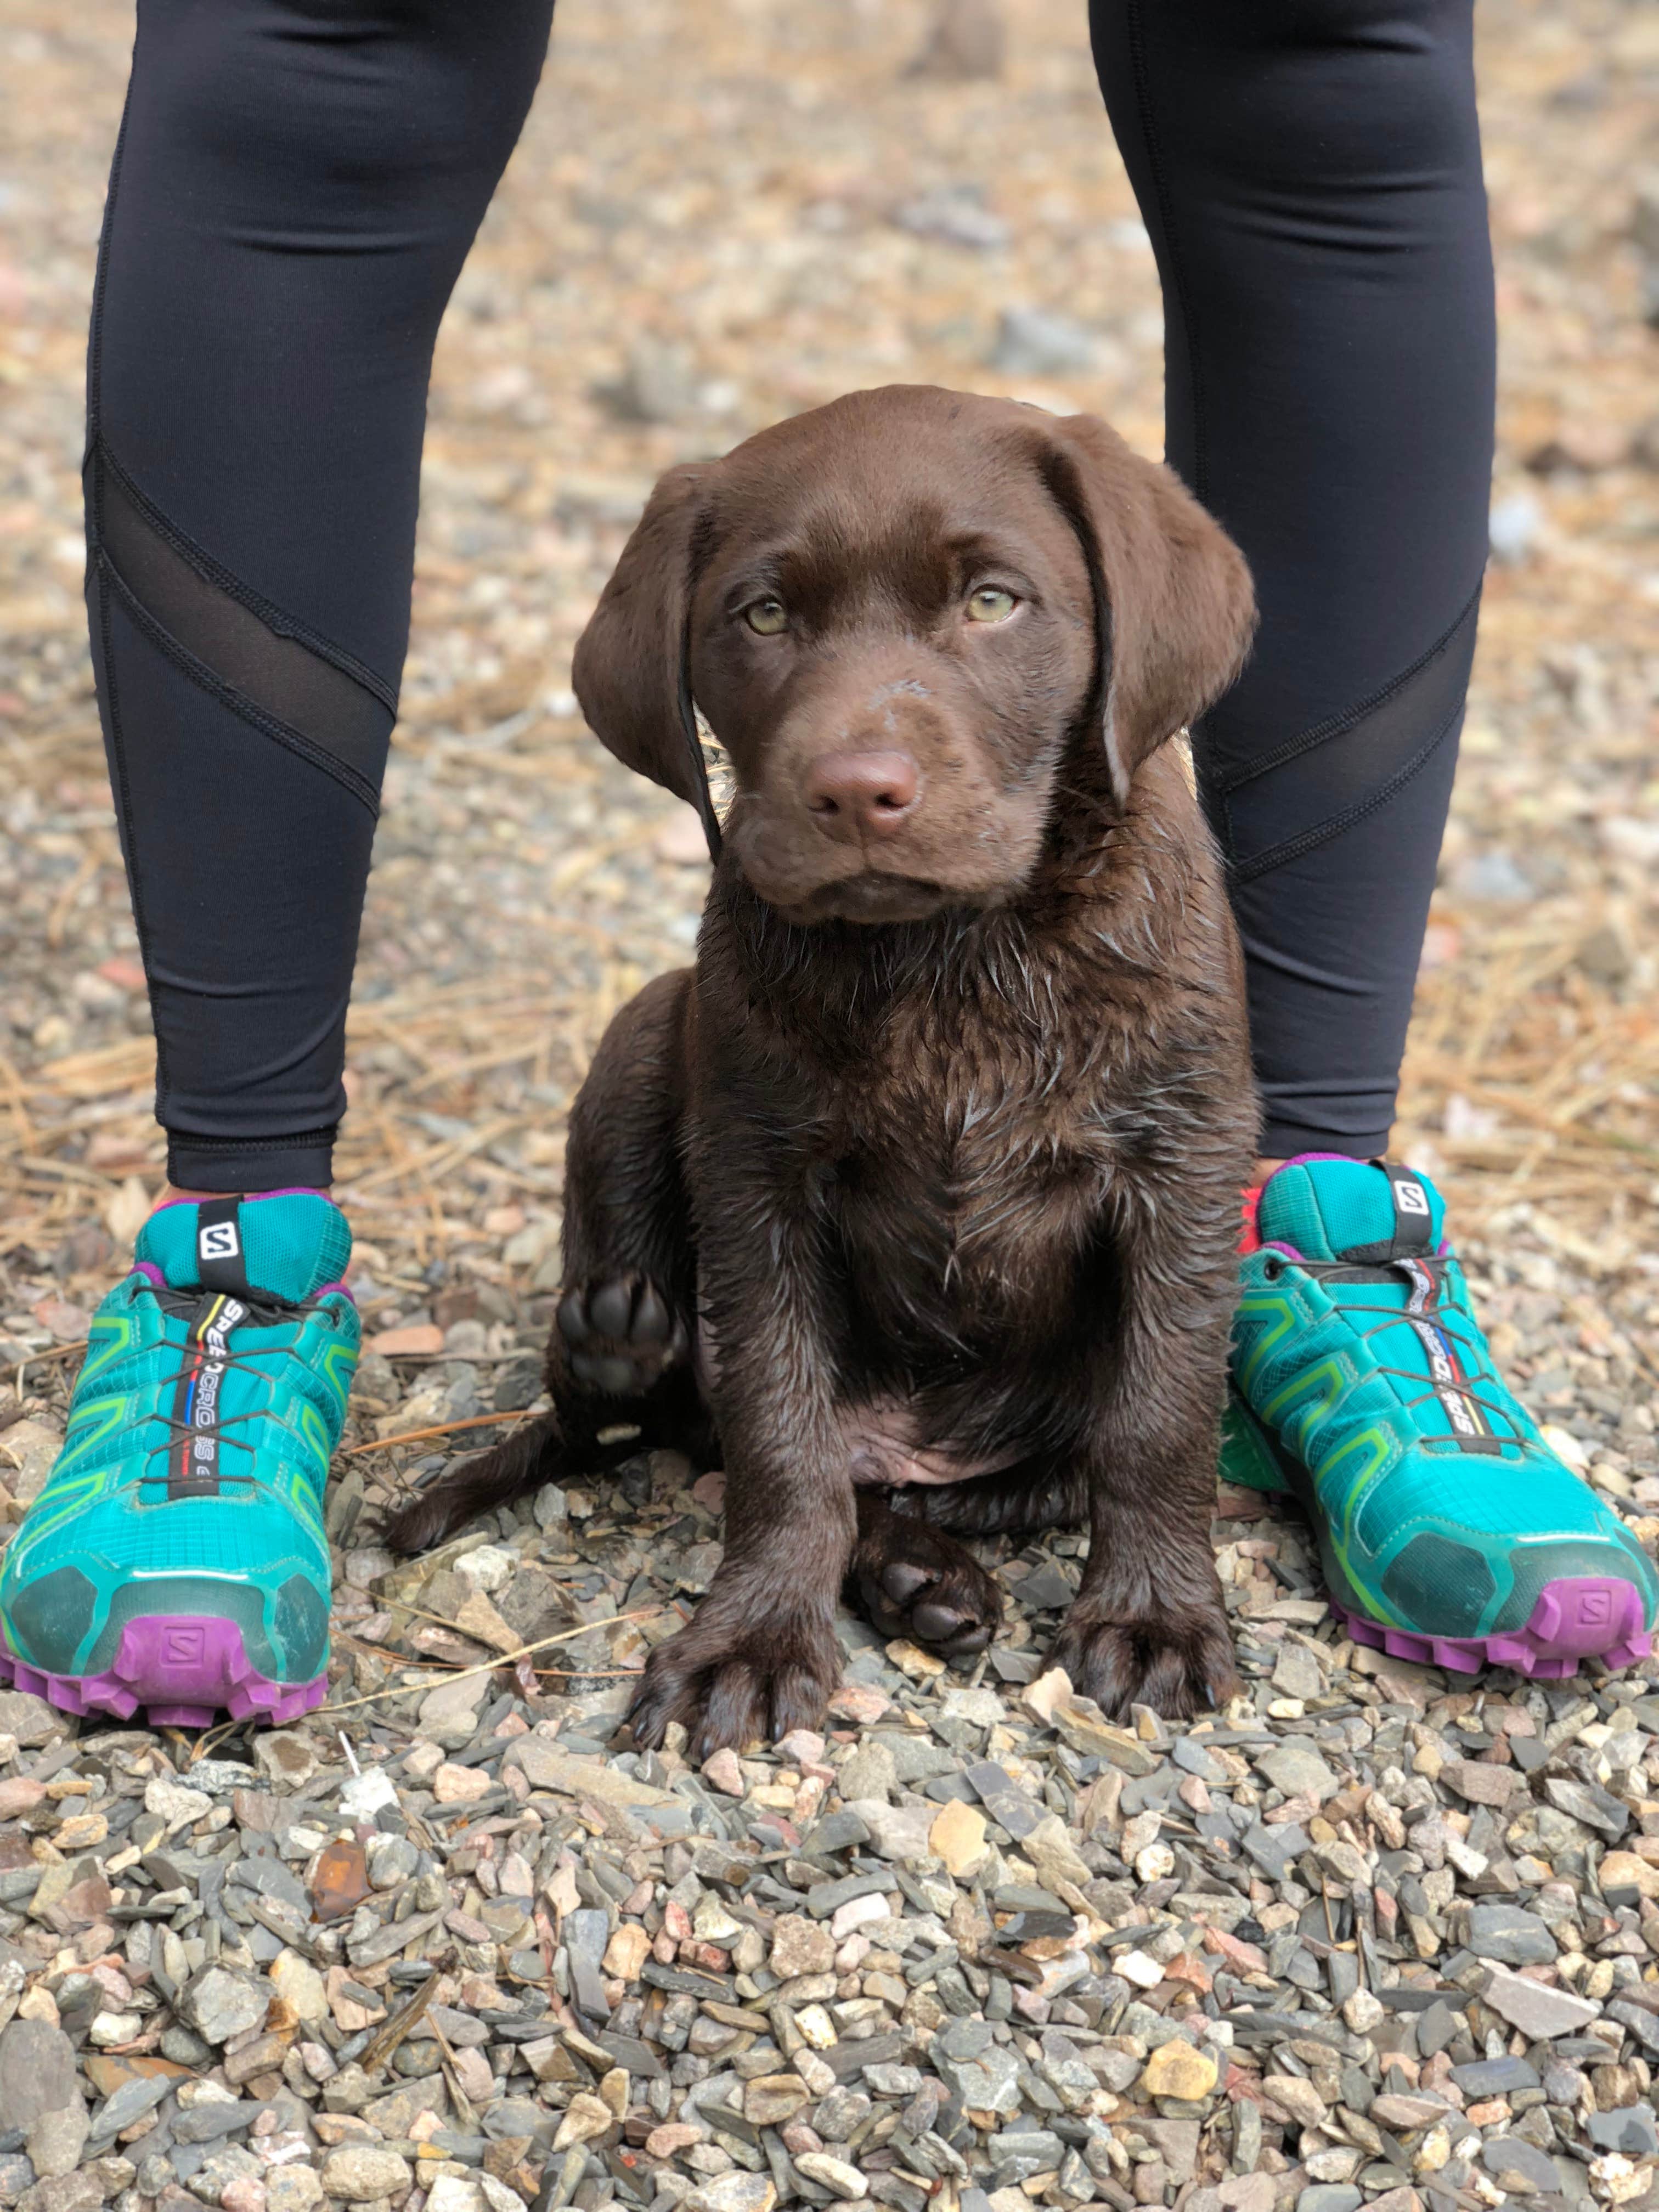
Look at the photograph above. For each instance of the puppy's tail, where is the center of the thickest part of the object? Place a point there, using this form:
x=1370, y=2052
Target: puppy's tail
x=530, y=1456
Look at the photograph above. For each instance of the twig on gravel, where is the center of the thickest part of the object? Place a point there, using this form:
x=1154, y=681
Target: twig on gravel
x=489, y=1666
x=441, y=1429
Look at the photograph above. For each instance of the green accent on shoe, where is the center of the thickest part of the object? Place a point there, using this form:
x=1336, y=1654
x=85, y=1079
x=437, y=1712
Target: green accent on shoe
x=1447, y=1527
x=176, y=1555
x=1248, y=1455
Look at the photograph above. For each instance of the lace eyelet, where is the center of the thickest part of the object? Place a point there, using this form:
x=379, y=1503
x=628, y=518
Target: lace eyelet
x=1272, y=1269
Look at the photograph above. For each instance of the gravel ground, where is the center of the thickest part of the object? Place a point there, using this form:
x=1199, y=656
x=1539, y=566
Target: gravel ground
x=1375, y=1935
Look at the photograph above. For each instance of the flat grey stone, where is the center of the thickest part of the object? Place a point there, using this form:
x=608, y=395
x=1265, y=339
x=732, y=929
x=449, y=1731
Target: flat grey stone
x=1632, y=2129
x=208, y=2123
x=1533, y=2009
x=1509, y=2160
x=1511, y=1934
x=1493, y=2077
x=1329, y=2197
x=37, y=2073
x=1296, y=1766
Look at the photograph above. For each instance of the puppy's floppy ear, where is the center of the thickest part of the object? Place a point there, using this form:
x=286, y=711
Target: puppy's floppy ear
x=1174, y=608
x=630, y=672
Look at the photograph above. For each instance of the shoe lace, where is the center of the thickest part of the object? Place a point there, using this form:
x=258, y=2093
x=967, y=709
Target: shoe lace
x=176, y=1431
x=1454, y=1323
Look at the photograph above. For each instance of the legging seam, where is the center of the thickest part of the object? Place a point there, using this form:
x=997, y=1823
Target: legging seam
x=1292, y=849
x=215, y=572
x=1177, y=267
x=1334, y=725
x=205, y=678
x=187, y=1139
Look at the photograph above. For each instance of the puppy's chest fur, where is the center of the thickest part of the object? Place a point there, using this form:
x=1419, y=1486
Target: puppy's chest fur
x=969, y=1110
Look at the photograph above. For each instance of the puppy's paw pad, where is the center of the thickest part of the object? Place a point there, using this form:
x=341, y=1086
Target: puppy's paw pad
x=620, y=1334
x=929, y=1589
x=1183, y=1668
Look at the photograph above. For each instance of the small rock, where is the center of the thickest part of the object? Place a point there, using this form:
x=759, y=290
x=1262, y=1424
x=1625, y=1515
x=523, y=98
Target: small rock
x=1329, y=2197
x=732, y=2193
x=359, y=2172
x=834, y=2174
x=1479, y=1783
x=418, y=1339
x=724, y=1772
x=1618, y=1870
x=220, y=2002
x=1518, y=2164
x=800, y=1946
x=870, y=1771
x=488, y=1568
x=1511, y=1933
x=957, y=214
x=37, y=2073
x=1535, y=2010
x=1363, y=2012
x=772, y=2099
x=957, y=1836
x=1631, y=2128
x=1033, y=341
x=292, y=2189
x=1296, y=1767
x=627, y=1951
x=286, y=1757
x=461, y=1785
x=56, y=2139
x=1178, y=2068
x=31, y=1720
x=300, y=1986
x=585, y=2118
x=1513, y=527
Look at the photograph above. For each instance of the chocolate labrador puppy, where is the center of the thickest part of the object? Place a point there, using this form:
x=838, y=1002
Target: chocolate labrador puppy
x=919, y=1194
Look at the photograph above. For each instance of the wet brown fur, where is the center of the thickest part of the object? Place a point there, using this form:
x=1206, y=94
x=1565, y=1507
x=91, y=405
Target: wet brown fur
x=968, y=1166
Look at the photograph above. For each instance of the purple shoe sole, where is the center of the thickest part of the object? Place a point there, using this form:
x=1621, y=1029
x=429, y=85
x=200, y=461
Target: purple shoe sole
x=183, y=1671
x=1584, y=1617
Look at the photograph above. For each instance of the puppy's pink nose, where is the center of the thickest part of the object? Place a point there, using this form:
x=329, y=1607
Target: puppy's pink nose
x=853, y=796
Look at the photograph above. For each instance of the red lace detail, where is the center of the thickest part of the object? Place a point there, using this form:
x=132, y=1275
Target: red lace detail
x=1250, y=1238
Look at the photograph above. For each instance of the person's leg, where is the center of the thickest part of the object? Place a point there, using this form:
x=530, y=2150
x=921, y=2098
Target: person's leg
x=294, y=188
x=1310, y=172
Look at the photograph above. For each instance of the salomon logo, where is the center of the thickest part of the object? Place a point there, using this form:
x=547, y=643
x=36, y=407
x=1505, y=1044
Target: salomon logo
x=219, y=1241
x=1410, y=1197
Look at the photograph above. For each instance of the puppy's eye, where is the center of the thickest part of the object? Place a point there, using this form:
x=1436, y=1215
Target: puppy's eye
x=988, y=605
x=766, y=617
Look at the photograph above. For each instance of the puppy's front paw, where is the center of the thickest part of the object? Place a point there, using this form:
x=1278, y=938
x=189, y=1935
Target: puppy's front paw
x=734, y=1683
x=620, y=1335
x=915, y=1582
x=1179, y=1666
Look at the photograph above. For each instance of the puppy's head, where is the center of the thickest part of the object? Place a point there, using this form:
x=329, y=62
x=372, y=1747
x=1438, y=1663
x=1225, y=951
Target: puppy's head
x=895, y=613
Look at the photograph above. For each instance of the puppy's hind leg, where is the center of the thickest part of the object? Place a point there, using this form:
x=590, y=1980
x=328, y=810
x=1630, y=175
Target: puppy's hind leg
x=620, y=1353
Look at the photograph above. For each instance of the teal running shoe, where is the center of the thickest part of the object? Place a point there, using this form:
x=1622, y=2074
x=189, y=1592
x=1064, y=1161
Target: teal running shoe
x=175, y=1558
x=1448, y=1530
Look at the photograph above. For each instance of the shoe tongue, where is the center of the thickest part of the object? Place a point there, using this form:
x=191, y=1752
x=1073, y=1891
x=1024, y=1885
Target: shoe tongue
x=289, y=1245
x=1340, y=1209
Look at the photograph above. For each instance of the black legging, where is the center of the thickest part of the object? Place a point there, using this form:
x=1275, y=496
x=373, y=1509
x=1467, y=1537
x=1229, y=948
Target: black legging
x=295, y=187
